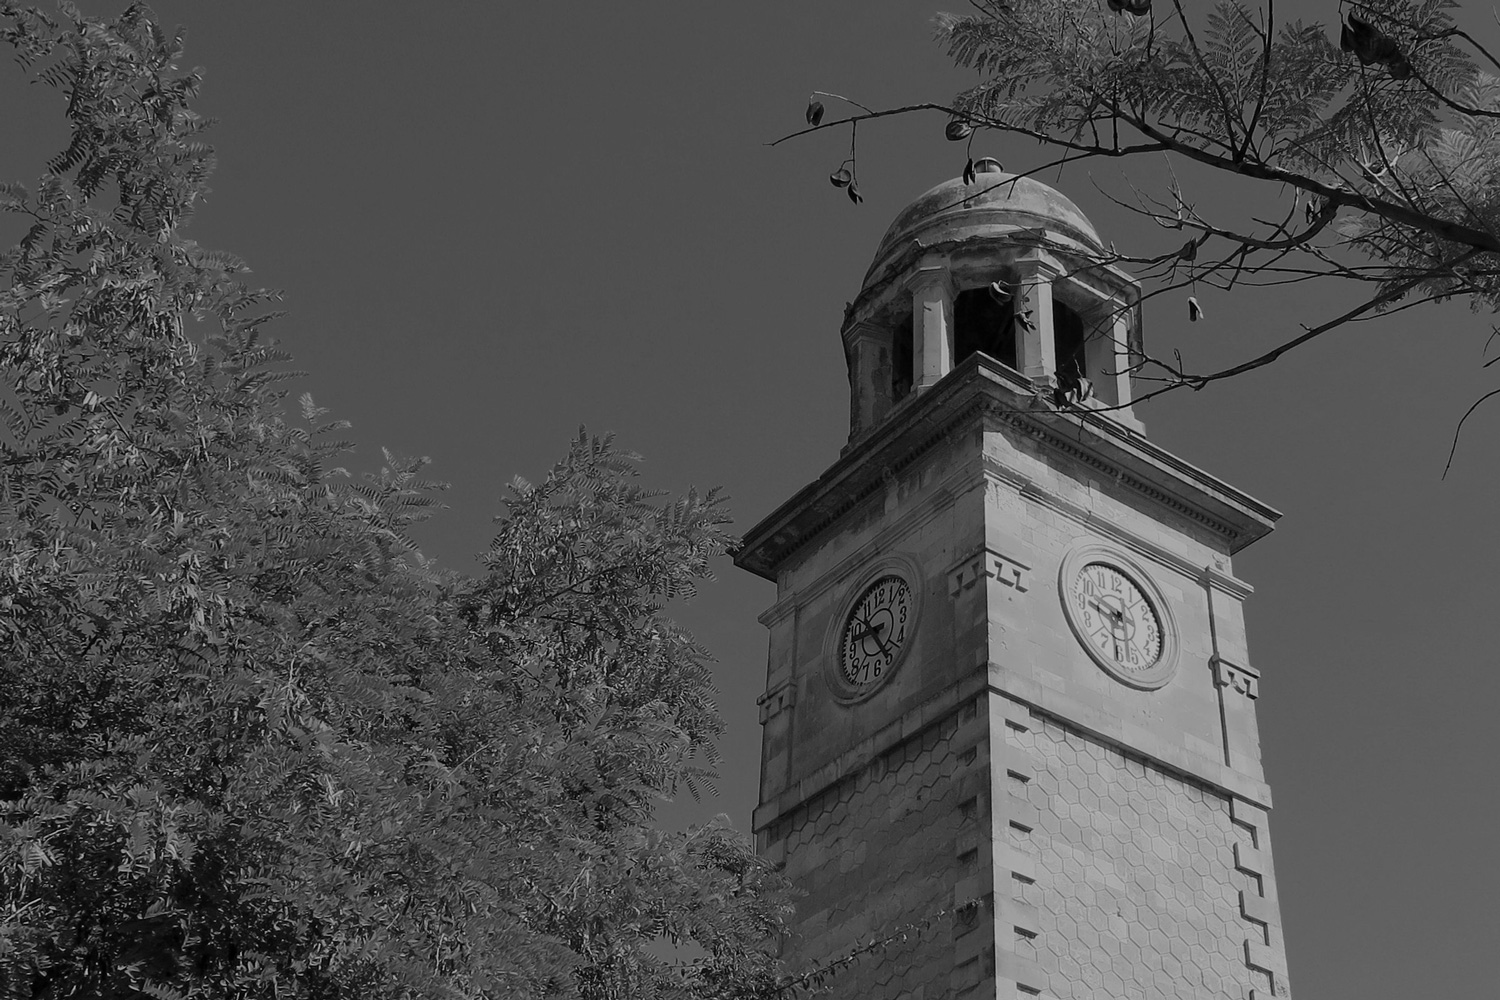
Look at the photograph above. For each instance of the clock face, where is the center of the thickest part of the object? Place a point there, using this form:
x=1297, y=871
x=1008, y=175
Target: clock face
x=875, y=632
x=1116, y=617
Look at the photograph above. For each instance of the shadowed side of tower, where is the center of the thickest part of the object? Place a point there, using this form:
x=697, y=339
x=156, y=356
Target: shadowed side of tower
x=1009, y=722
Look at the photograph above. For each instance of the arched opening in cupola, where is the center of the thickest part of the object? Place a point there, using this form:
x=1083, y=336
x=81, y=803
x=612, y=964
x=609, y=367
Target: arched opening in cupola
x=1069, y=345
x=903, y=357
x=983, y=324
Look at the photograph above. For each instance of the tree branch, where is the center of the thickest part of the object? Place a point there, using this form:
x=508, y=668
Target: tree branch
x=1460, y=428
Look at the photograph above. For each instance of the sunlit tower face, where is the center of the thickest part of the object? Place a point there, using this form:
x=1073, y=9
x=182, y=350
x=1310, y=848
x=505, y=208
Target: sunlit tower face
x=1008, y=697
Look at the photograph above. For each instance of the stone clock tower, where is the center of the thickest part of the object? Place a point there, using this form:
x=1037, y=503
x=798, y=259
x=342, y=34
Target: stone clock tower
x=1009, y=720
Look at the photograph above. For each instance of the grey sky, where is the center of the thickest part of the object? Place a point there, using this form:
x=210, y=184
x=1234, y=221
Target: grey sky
x=496, y=221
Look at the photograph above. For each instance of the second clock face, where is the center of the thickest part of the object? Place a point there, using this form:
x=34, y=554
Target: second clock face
x=1117, y=618
x=875, y=632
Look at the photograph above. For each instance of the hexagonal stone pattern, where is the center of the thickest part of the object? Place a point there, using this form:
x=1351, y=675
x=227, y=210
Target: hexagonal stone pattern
x=1136, y=889
x=875, y=855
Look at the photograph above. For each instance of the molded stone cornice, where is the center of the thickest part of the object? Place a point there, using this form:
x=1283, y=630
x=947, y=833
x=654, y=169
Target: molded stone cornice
x=983, y=389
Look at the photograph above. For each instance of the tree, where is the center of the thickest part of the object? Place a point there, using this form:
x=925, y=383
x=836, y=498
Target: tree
x=1382, y=148
x=251, y=742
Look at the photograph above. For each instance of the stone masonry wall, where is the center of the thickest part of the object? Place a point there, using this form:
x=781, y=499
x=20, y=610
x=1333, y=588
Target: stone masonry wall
x=874, y=853
x=1145, y=884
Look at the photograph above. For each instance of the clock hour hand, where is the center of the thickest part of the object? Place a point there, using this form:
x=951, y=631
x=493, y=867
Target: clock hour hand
x=871, y=631
x=1118, y=614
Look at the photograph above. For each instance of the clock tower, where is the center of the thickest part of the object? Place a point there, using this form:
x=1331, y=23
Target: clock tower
x=1009, y=744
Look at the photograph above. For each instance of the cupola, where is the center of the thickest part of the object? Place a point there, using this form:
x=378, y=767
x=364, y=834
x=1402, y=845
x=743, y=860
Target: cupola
x=999, y=265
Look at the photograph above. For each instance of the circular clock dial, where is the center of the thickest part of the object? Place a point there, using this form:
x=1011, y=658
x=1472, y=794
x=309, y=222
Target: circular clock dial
x=1117, y=617
x=876, y=631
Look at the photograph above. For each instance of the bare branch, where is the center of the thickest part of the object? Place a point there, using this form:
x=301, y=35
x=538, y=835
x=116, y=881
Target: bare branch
x=1265, y=71
x=841, y=97
x=1462, y=109
x=1460, y=428
x=1422, y=225
x=1390, y=295
x=1162, y=142
x=889, y=112
x=1479, y=239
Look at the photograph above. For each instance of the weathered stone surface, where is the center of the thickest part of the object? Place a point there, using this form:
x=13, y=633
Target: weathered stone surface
x=1136, y=891
x=1005, y=814
x=874, y=854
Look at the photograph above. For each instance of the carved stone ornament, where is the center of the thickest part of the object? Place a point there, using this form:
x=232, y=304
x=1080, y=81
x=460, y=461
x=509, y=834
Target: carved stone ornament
x=989, y=564
x=1244, y=680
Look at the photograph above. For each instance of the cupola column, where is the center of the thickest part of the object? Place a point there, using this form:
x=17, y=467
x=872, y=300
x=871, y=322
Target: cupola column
x=868, y=350
x=1124, y=357
x=932, y=324
x=1038, y=353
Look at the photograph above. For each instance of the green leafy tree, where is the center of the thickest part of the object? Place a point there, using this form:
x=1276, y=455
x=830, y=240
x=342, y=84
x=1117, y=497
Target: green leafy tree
x=1379, y=139
x=251, y=743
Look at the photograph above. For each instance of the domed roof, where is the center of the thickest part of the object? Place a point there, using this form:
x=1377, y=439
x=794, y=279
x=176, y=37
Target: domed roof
x=994, y=204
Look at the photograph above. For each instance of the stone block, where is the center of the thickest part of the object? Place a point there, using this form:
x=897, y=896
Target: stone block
x=1265, y=958
x=966, y=975
x=1250, y=814
x=1022, y=971
x=1017, y=914
x=1258, y=908
x=1250, y=861
x=1018, y=863
x=1019, y=812
x=972, y=887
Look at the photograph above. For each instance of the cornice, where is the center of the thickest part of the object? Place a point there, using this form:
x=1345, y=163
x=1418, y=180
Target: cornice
x=939, y=499
x=982, y=389
x=1074, y=450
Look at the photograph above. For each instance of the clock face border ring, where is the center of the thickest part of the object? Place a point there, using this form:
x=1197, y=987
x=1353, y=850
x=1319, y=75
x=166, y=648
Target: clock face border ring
x=1165, y=668
x=888, y=565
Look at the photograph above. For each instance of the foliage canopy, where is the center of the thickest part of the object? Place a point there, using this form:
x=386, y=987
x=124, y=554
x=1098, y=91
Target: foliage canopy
x=252, y=744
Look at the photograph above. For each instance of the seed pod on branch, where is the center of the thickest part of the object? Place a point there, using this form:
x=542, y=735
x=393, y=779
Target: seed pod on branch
x=958, y=130
x=1371, y=45
x=814, y=113
x=841, y=177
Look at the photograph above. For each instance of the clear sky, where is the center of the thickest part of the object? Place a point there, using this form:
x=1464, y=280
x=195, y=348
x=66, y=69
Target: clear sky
x=497, y=221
